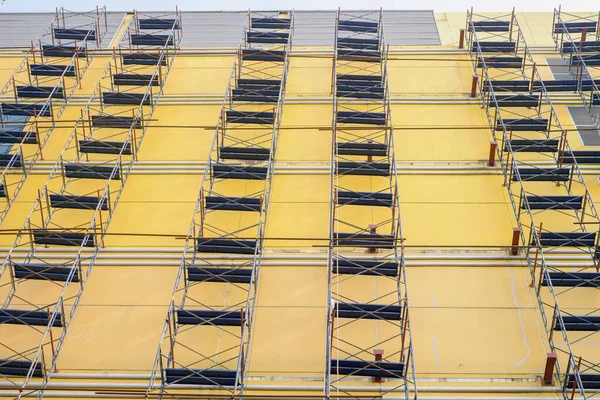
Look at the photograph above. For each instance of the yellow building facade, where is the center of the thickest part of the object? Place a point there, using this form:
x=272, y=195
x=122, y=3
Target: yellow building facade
x=284, y=220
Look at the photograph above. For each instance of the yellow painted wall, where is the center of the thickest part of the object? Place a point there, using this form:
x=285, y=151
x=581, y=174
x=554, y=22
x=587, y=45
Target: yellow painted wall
x=468, y=320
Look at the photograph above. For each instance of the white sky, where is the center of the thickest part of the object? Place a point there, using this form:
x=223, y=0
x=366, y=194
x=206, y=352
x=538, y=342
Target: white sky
x=204, y=5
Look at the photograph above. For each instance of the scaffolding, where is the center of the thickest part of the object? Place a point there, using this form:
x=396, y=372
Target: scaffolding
x=40, y=89
x=548, y=193
x=229, y=220
x=362, y=128
x=580, y=50
x=102, y=148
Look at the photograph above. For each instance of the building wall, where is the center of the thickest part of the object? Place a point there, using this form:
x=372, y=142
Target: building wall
x=473, y=312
